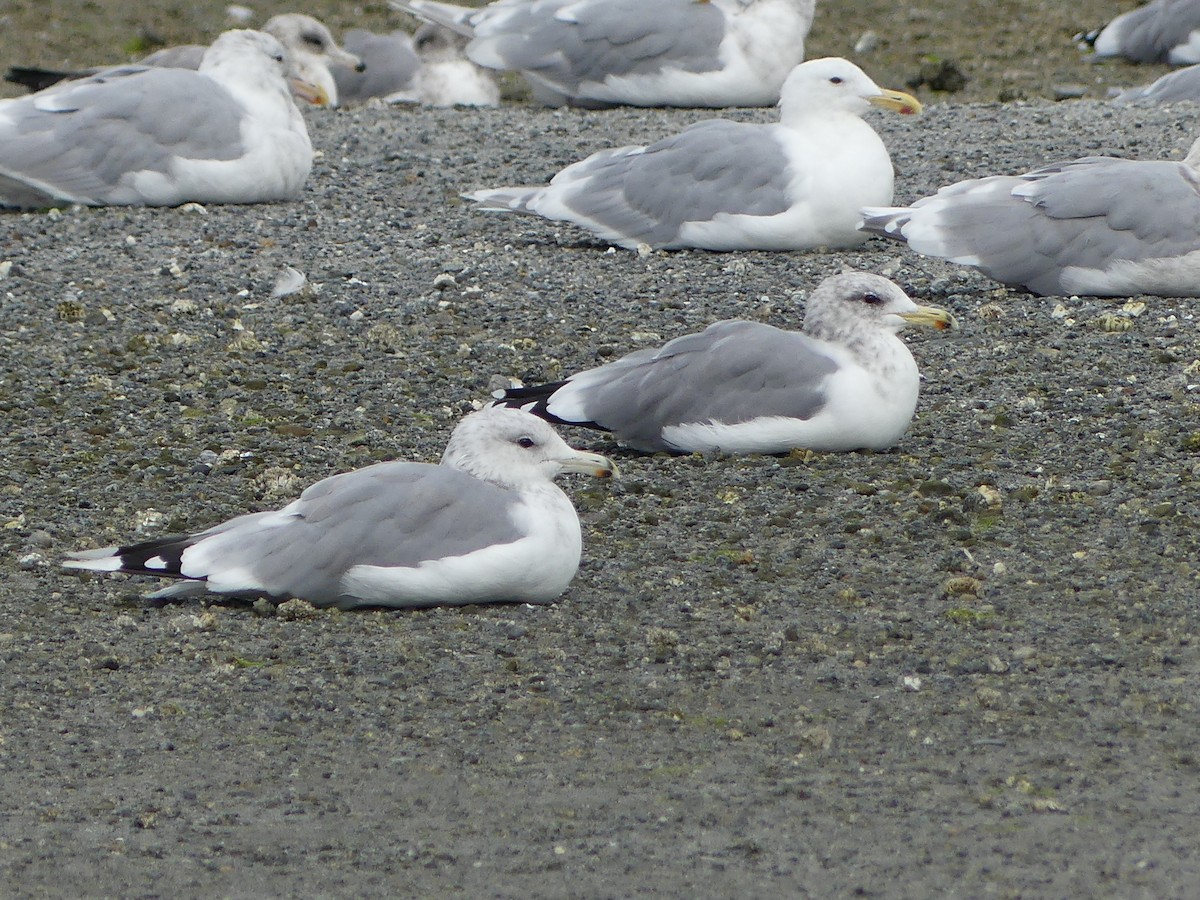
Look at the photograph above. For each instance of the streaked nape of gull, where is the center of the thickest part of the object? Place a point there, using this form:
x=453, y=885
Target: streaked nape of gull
x=427, y=67
x=1180, y=86
x=597, y=53
x=311, y=50
x=487, y=525
x=1098, y=226
x=447, y=77
x=720, y=185
x=1161, y=31
x=229, y=133
x=846, y=382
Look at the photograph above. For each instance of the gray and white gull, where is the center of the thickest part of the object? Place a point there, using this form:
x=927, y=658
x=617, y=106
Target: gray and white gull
x=597, y=53
x=487, y=525
x=844, y=382
x=720, y=185
x=1100, y=226
x=1161, y=31
x=227, y=133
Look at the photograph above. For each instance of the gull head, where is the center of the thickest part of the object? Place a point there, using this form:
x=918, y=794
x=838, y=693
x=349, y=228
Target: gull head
x=513, y=448
x=833, y=84
x=855, y=303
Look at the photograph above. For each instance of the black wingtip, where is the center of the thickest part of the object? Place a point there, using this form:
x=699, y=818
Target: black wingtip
x=161, y=556
x=535, y=399
x=34, y=79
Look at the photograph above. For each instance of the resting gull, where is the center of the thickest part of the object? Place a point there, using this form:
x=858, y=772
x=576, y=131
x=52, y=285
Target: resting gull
x=427, y=67
x=229, y=133
x=1182, y=85
x=721, y=185
x=597, y=53
x=312, y=51
x=845, y=382
x=486, y=525
x=1098, y=226
x=1161, y=31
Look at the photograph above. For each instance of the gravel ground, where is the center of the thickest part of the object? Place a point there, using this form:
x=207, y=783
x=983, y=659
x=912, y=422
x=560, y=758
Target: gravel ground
x=966, y=667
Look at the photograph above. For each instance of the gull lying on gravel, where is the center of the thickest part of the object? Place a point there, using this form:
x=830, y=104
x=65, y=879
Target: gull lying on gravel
x=427, y=67
x=311, y=50
x=720, y=185
x=228, y=133
x=1099, y=225
x=597, y=53
x=486, y=525
x=1161, y=31
x=845, y=382
x=1174, y=87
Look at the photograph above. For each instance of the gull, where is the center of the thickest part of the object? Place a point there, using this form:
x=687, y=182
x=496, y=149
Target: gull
x=228, y=133
x=844, y=382
x=311, y=48
x=1100, y=226
x=427, y=67
x=1181, y=85
x=720, y=185
x=1162, y=31
x=597, y=53
x=487, y=525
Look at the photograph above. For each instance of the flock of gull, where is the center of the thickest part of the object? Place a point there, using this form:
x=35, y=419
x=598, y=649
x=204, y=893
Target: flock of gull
x=220, y=124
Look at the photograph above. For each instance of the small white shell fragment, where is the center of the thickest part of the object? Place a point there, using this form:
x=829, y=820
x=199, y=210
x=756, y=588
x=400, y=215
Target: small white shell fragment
x=194, y=208
x=911, y=682
x=288, y=282
x=149, y=520
x=445, y=280
x=5, y=268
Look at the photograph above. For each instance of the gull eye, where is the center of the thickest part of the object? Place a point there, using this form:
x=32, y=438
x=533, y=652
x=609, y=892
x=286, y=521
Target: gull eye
x=526, y=442
x=313, y=41
x=871, y=298
x=278, y=57
x=836, y=79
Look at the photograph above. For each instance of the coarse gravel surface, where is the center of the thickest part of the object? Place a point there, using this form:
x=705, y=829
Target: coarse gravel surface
x=965, y=667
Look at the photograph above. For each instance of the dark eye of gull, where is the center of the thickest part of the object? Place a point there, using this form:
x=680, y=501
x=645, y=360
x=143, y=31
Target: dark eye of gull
x=871, y=298
x=836, y=79
x=526, y=442
x=314, y=41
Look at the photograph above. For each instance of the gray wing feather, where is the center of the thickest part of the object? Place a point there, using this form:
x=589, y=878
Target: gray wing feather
x=81, y=139
x=183, y=56
x=712, y=167
x=1024, y=230
x=392, y=514
x=1174, y=87
x=391, y=65
x=601, y=38
x=731, y=372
